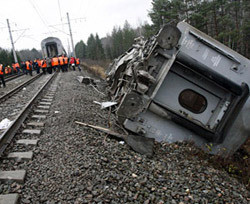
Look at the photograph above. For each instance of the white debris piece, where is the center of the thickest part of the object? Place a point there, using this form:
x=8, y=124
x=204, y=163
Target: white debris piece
x=5, y=123
x=121, y=142
x=57, y=111
x=105, y=104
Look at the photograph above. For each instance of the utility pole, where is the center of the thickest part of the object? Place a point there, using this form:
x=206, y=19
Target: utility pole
x=73, y=47
x=12, y=43
x=68, y=46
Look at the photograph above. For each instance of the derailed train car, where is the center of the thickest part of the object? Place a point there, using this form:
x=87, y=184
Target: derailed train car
x=182, y=85
x=51, y=47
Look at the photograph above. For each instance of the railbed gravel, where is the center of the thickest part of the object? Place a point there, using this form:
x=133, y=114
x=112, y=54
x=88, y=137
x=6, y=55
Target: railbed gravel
x=14, y=83
x=76, y=164
x=11, y=107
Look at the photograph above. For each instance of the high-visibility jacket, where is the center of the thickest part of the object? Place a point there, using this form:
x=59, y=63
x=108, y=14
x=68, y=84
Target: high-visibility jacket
x=6, y=70
x=28, y=65
x=39, y=62
x=17, y=65
x=61, y=60
x=54, y=61
x=43, y=63
x=77, y=61
x=1, y=69
x=9, y=70
x=14, y=67
x=66, y=60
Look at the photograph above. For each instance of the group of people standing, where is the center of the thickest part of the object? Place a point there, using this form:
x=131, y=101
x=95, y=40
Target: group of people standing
x=47, y=65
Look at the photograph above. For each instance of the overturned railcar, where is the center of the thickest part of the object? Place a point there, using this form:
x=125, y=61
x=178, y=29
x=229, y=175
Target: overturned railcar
x=51, y=47
x=182, y=85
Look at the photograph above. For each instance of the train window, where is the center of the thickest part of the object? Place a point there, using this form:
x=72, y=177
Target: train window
x=192, y=101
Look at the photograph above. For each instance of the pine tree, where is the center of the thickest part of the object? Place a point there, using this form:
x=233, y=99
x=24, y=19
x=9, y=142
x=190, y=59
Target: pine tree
x=91, y=47
x=80, y=49
x=128, y=36
x=99, y=49
x=225, y=20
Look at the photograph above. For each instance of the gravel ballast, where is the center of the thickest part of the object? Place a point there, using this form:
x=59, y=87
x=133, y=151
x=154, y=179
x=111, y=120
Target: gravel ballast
x=76, y=164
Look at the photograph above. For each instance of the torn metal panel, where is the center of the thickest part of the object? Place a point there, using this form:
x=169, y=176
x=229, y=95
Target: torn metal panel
x=183, y=85
x=86, y=80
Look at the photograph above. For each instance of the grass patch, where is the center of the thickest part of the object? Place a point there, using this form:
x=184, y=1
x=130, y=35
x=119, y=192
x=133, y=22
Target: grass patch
x=95, y=69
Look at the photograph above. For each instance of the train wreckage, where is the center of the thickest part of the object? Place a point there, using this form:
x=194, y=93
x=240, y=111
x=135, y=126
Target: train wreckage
x=182, y=85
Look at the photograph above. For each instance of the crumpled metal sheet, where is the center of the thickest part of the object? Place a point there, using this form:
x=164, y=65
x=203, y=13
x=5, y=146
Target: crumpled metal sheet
x=135, y=78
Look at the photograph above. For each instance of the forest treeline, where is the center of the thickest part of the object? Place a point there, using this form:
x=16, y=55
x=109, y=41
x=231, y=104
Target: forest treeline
x=7, y=58
x=228, y=21
x=109, y=47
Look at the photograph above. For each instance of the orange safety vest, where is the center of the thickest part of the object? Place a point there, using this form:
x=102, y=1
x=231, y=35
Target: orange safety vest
x=65, y=60
x=28, y=65
x=9, y=70
x=1, y=69
x=77, y=61
x=61, y=60
x=43, y=63
x=17, y=65
x=39, y=62
x=14, y=67
x=54, y=61
x=6, y=70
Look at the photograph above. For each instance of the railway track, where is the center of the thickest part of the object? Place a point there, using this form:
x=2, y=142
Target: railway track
x=19, y=87
x=16, y=102
x=12, y=77
x=7, y=137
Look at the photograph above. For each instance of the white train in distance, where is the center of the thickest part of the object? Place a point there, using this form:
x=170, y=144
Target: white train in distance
x=51, y=47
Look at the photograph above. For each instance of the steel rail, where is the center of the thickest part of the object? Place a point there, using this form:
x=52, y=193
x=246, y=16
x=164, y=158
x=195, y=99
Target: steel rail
x=16, y=89
x=9, y=76
x=13, y=77
x=8, y=135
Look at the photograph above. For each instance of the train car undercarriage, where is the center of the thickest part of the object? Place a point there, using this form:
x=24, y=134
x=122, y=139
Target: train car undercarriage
x=182, y=85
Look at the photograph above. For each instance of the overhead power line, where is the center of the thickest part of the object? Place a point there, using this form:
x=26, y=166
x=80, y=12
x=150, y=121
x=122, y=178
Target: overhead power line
x=38, y=13
x=21, y=35
x=59, y=6
x=58, y=29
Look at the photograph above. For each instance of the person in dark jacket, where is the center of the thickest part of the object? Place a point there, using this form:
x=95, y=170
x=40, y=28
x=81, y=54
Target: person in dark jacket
x=36, y=67
x=23, y=66
x=2, y=75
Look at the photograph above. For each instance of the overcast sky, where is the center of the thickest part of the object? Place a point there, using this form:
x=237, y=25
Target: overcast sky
x=43, y=18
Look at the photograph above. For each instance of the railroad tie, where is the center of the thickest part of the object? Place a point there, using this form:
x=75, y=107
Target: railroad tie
x=43, y=107
x=17, y=176
x=27, y=141
x=41, y=111
x=20, y=155
x=36, y=124
x=45, y=103
x=39, y=116
x=32, y=131
x=47, y=99
x=11, y=198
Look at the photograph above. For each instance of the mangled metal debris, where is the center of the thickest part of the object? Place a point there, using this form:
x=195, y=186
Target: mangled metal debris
x=90, y=82
x=138, y=143
x=183, y=85
x=86, y=80
x=106, y=104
